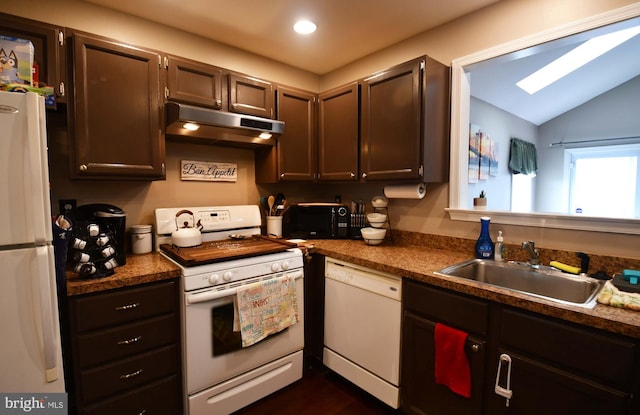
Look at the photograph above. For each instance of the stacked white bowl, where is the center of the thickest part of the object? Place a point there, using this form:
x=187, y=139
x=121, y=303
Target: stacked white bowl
x=377, y=220
x=379, y=202
x=373, y=236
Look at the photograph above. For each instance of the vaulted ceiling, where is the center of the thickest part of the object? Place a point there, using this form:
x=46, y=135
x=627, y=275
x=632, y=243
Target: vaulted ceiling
x=494, y=81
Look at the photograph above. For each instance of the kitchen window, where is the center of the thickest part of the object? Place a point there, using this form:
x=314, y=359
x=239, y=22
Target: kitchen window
x=522, y=190
x=604, y=181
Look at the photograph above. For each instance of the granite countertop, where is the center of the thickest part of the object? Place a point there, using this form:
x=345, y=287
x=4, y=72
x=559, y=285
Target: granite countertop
x=420, y=263
x=403, y=258
x=139, y=269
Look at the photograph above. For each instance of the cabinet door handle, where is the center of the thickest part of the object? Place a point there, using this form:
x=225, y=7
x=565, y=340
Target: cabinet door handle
x=132, y=374
x=364, y=175
x=130, y=341
x=475, y=348
x=353, y=175
x=83, y=167
x=504, y=392
x=127, y=307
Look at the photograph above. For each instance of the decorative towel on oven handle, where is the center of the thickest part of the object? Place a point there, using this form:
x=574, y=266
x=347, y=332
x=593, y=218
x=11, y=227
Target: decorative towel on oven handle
x=264, y=308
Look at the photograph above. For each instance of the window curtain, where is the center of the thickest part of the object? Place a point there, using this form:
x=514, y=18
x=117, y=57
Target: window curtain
x=523, y=158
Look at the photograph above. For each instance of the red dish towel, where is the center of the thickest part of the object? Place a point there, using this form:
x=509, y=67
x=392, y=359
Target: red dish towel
x=451, y=363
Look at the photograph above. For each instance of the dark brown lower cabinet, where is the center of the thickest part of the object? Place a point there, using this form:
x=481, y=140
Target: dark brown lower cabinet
x=137, y=401
x=545, y=365
x=419, y=386
x=542, y=389
x=125, y=351
x=560, y=368
x=424, y=306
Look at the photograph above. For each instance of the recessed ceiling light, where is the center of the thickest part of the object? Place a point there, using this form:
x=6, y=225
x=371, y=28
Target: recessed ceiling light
x=575, y=58
x=304, y=27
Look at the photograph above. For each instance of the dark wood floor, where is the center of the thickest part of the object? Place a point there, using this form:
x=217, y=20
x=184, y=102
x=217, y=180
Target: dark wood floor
x=319, y=392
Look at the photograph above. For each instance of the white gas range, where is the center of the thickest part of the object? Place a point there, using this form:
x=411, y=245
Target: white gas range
x=220, y=376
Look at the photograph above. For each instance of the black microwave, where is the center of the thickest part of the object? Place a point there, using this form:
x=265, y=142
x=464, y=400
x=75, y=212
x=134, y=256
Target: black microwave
x=316, y=221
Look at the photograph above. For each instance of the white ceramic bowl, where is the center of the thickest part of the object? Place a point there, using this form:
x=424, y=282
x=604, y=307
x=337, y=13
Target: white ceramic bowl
x=379, y=201
x=373, y=236
x=377, y=220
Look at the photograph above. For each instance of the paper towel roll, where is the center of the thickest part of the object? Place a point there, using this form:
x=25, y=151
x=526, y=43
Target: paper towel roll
x=405, y=191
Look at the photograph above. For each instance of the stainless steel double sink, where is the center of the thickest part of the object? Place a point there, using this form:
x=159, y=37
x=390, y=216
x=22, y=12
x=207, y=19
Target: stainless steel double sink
x=537, y=280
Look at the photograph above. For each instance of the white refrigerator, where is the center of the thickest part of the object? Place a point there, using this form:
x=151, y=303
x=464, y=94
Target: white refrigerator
x=30, y=345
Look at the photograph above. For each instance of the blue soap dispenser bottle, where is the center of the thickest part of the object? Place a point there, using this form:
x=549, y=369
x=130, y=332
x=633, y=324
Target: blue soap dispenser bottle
x=484, y=244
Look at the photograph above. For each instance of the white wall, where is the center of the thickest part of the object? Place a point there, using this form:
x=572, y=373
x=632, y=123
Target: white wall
x=612, y=114
x=501, y=126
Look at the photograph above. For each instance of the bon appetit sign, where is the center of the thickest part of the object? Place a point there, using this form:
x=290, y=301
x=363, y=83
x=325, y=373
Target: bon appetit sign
x=208, y=171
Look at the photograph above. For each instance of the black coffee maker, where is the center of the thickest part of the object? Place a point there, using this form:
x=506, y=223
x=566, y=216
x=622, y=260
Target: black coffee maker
x=97, y=244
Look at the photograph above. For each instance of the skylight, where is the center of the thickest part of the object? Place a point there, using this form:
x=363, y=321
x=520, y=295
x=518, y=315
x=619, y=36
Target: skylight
x=576, y=58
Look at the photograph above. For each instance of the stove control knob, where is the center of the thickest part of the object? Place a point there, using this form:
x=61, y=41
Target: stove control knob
x=285, y=265
x=227, y=276
x=275, y=267
x=213, y=279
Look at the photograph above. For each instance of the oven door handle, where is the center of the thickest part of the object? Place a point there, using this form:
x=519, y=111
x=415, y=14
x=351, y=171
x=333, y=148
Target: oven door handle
x=205, y=296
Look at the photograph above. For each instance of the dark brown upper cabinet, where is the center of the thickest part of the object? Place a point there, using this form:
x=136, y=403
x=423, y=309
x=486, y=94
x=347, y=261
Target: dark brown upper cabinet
x=193, y=82
x=338, y=134
x=405, y=123
x=49, y=49
x=250, y=96
x=293, y=159
x=115, y=113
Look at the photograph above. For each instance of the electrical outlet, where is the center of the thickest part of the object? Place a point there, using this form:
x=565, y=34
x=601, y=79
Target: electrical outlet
x=66, y=205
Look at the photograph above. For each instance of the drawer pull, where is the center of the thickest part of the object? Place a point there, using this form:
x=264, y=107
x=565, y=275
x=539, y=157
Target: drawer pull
x=130, y=341
x=132, y=374
x=475, y=348
x=144, y=411
x=127, y=307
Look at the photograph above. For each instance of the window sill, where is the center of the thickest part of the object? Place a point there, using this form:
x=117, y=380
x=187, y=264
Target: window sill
x=547, y=220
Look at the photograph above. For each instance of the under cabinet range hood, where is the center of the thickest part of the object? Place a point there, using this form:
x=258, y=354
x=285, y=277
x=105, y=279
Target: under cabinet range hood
x=220, y=127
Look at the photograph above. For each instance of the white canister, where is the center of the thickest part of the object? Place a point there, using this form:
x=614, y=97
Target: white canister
x=141, y=239
x=274, y=226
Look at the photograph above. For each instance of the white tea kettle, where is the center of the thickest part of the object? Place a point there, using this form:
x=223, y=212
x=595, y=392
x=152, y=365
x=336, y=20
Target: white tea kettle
x=186, y=236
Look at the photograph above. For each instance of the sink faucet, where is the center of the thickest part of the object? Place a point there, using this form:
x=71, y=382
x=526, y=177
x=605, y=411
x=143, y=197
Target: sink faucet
x=530, y=246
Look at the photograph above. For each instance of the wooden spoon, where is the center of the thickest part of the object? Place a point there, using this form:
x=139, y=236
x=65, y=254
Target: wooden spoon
x=271, y=201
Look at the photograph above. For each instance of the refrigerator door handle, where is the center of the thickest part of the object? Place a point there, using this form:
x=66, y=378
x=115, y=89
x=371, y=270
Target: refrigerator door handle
x=44, y=262
x=38, y=183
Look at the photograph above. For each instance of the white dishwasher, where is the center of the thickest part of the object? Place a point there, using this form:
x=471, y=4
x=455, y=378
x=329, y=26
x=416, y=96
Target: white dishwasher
x=362, y=322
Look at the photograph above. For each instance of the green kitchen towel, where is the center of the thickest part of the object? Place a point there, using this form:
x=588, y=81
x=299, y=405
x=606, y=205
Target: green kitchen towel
x=523, y=158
